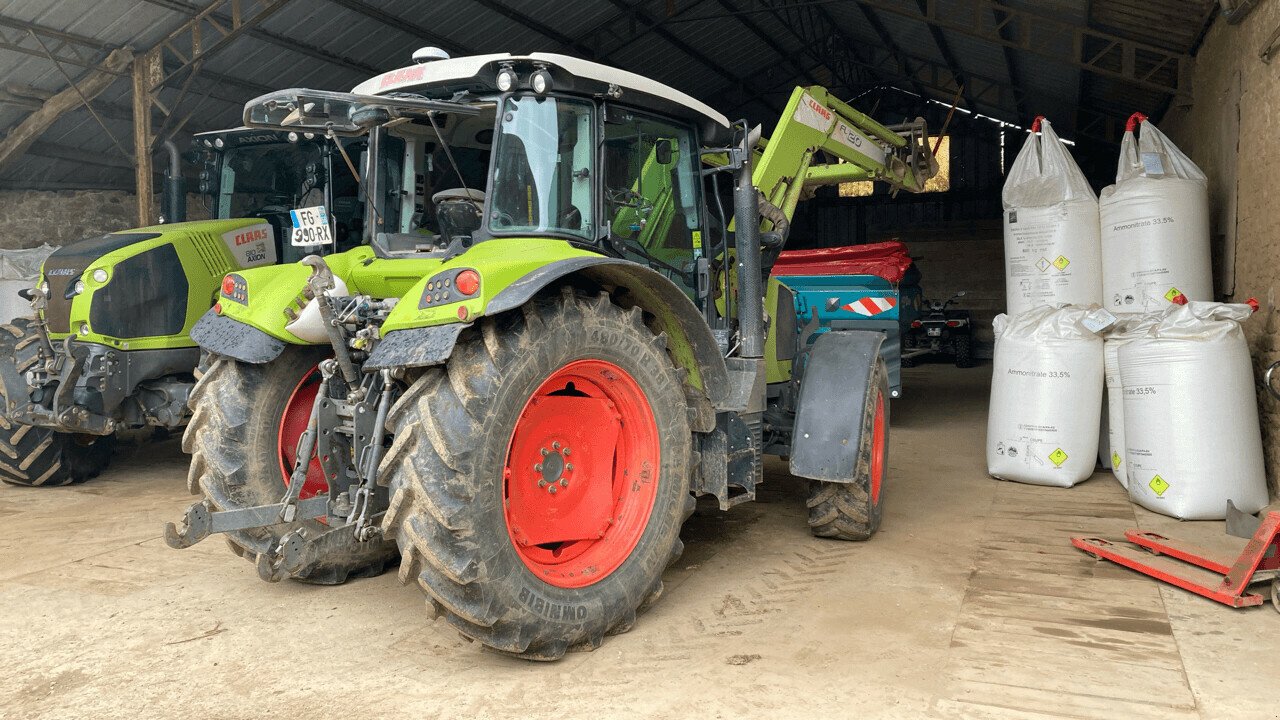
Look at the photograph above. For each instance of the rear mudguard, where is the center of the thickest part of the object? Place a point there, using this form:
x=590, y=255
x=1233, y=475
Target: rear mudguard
x=838, y=375
x=689, y=338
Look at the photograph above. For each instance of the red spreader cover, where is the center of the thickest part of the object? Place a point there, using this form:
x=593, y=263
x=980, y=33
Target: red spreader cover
x=888, y=260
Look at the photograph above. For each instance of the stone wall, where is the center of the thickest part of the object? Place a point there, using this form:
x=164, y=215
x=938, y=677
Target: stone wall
x=31, y=217
x=1229, y=130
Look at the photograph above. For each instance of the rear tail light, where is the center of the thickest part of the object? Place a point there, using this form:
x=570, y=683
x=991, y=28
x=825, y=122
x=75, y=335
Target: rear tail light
x=954, y=323
x=468, y=282
x=228, y=285
x=916, y=324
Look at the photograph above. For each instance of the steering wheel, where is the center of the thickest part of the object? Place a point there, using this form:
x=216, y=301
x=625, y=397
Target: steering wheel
x=629, y=198
x=502, y=218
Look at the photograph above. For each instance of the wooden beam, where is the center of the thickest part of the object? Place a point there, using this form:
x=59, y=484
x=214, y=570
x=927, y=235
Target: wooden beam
x=147, y=69
x=85, y=88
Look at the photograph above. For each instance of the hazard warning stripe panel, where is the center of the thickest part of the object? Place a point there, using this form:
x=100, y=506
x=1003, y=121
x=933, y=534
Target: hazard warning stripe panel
x=870, y=306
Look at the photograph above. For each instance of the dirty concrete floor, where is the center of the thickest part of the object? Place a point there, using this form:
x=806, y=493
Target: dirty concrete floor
x=970, y=603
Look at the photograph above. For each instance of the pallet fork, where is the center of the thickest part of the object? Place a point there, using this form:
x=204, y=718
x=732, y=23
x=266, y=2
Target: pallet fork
x=1213, y=575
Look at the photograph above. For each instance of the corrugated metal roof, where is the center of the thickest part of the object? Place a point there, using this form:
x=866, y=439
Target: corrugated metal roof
x=711, y=49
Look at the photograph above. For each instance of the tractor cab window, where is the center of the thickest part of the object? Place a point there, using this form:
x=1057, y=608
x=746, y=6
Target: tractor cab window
x=651, y=194
x=268, y=178
x=543, y=165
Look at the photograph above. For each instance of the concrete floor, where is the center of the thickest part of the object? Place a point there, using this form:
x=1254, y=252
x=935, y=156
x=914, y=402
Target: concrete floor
x=970, y=603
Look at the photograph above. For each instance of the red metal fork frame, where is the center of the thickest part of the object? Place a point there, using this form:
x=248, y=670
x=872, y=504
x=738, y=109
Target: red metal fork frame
x=1226, y=580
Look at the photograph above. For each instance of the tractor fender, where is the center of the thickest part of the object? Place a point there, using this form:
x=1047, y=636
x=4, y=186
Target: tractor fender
x=689, y=338
x=230, y=337
x=838, y=376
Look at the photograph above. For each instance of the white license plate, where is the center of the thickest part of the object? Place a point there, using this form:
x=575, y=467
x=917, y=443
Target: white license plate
x=934, y=332
x=310, y=227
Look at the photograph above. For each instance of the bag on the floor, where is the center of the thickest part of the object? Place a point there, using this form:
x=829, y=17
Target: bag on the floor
x=1155, y=226
x=1191, y=428
x=1126, y=328
x=1052, y=253
x=1046, y=395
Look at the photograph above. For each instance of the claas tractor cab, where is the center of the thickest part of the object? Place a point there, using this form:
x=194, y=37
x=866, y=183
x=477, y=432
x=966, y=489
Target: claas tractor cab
x=108, y=348
x=522, y=397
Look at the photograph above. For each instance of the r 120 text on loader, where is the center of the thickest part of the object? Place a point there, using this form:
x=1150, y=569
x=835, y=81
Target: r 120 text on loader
x=522, y=390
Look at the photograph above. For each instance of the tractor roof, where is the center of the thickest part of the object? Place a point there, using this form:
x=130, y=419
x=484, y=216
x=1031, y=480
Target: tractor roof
x=478, y=74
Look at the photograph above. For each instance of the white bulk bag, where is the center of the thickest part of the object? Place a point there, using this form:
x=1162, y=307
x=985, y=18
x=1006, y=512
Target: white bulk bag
x=1155, y=226
x=1123, y=331
x=1052, y=253
x=1046, y=395
x=1191, y=431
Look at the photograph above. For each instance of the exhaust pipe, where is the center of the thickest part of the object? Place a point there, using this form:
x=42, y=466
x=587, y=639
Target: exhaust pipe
x=746, y=221
x=174, y=203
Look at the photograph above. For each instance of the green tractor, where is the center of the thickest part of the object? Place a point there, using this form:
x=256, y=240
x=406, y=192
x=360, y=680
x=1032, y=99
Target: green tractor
x=522, y=385
x=108, y=348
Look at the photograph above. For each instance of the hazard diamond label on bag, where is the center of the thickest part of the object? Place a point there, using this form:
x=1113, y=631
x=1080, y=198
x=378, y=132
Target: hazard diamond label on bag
x=870, y=306
x=1061, y=262
x=1158, y=485
x=1043, y=264
x=1057, y=457
x=1172, y=294
x=1115, y=460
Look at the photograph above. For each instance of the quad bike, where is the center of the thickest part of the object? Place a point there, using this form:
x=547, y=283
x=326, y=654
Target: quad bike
x=520, y=390
x=940, y=330
x=108, y=347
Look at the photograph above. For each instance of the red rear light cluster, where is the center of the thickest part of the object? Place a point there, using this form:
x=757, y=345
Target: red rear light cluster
x=953, y=323
x=468, y=282
x=916, y=324
x=228, y=285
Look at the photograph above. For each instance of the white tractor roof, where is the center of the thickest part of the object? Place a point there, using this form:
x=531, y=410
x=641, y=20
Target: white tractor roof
x=461, y=70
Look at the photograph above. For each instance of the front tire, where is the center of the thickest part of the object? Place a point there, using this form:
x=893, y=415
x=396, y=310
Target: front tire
x=242, y=435
x=514, y=547
x=42, y=457
x=852, y=510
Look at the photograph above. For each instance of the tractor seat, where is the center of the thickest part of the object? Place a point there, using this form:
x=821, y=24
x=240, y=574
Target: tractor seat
x=455, y=194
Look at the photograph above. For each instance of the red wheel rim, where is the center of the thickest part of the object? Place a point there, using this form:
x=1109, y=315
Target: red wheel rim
x=293, y=422
x=581, y=473
x=877, y=450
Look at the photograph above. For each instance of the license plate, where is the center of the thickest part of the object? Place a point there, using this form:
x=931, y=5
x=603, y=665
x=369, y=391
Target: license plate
x=934, y=332
x=310, y=227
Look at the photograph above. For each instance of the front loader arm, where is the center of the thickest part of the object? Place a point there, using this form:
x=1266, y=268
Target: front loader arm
x=815, y=121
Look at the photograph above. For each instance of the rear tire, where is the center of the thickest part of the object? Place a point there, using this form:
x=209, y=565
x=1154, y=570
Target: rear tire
x=234, y=442
x=963, y=346
x=36, y=456
x=852, y=510
x=460, y=489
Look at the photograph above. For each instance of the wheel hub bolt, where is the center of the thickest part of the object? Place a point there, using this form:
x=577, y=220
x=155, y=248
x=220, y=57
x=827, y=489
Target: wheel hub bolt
x=564, y=483
x=545, y=452
x=552, y=489
x=555, y=445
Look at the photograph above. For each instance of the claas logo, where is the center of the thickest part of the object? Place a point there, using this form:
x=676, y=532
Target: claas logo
x=825, y=113
x=249, y=236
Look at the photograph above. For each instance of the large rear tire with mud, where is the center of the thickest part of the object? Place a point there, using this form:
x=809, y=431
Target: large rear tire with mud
x=243, y=433
x=852, y=510
x=36, y=456
x=539, y=479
